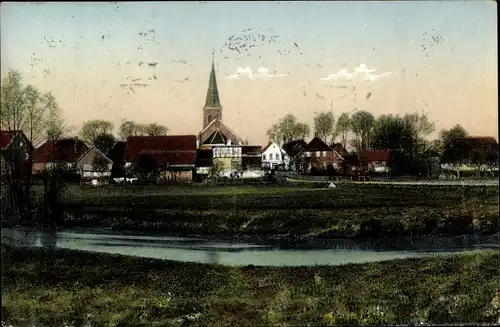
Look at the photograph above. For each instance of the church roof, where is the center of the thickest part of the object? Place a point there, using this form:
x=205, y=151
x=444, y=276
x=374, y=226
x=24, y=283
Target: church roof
x=216, y=138
x=212, y=100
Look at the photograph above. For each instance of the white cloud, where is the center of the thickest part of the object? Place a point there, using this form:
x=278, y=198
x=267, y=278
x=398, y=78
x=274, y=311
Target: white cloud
x=246, y=72
x=361, y=70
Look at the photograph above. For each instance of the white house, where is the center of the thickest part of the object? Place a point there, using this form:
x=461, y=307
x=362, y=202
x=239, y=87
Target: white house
x=273, y=156
x=94, y=164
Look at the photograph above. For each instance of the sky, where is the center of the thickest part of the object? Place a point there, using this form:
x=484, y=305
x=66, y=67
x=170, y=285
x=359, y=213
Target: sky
x=271, y=58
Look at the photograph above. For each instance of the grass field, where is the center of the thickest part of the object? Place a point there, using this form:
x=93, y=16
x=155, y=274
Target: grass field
x=370, y=210
x=57, y=287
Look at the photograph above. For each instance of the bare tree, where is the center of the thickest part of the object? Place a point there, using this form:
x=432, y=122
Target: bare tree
x=24, y=108
x=93, y=129
x=342, y=129
x=323, y=125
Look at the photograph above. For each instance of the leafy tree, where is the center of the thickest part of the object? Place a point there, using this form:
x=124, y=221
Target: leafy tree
x=38, y=115
x=131, y=128
x=104, y=142
x=27, y=109
x=128, y=128
x=342, y=129
x=418, y=126
x=93, y=129
x=216, y=170
x=362, y=123
x=101, y=166
x=288, y=129
x=155, y=129
x=323, y=125
x=391, y=133
x=450, y=142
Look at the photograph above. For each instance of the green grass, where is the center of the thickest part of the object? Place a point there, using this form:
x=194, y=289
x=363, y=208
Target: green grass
x=110, y=290
x=278, y=197
x=372, y=210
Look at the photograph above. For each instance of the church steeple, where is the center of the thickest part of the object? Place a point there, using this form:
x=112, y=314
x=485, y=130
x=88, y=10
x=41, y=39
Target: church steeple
x=212, y=100
x=212, y=110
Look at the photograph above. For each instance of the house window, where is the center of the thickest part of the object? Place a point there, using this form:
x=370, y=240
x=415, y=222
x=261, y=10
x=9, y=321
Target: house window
x=277, y=156
x=270, y=156
x=318, y=153
x=324, y=153
x=263, y=157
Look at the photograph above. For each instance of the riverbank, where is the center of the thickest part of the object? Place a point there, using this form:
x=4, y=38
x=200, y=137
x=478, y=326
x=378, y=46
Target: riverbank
x=285, y=212
x=72, y=287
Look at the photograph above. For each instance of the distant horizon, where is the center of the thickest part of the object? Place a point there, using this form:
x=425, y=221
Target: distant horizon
x=437, y=58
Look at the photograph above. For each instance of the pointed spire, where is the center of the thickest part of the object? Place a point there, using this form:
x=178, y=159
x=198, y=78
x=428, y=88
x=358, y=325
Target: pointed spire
x=212, y=100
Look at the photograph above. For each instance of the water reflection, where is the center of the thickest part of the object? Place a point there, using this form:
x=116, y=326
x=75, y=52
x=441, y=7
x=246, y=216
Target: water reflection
x=48, y=238
x=330, y=252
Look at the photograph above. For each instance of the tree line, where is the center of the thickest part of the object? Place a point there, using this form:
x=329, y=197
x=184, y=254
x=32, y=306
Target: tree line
x=406, y=134
x=99, y=133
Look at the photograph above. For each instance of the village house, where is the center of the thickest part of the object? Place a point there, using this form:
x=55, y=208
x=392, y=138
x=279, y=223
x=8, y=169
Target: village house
x=292, y=150
x=174, y=156
x=15, y=151
x=317, y=157
x=218, y=142
x=376, y=162
x=65, y=151
x=274, y=157
x=93, y=164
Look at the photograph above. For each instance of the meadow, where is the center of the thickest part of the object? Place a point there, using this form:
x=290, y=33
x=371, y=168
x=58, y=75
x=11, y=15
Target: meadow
x=58, y=287
x=350, y=210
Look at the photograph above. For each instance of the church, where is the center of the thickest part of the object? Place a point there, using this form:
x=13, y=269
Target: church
x=218, y=142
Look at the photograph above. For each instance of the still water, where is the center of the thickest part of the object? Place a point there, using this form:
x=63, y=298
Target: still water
x=331, y=252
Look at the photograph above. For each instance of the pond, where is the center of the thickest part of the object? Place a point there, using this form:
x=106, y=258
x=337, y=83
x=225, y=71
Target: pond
x=204, y=250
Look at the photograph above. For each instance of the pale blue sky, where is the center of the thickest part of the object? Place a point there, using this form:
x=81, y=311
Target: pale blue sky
x=85, y=71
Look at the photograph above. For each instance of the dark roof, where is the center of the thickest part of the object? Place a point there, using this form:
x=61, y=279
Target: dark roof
x=174, y=149
x=317, y=144
x=216, y=137
x=212, y=100
x=6, y=138
x=340, y=149
x=117, y=152
x=480, y=141
x=65, y=150
x=475, y=148
x=374, y=155
x=293, y=148
x=251, y=149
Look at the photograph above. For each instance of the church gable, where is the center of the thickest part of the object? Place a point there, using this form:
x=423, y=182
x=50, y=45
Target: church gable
x=214, y=130
x=220, y=128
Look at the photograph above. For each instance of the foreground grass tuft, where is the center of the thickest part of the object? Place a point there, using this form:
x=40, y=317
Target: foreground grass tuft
x=62, y=286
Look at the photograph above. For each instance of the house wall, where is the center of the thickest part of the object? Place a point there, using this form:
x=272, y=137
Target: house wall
x=229, y=164
x=87, y=162
x=274, y=156
x=18, y=153
x=176, y=176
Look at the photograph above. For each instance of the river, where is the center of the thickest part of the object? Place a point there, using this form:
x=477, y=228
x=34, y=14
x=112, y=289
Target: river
x=203, y=250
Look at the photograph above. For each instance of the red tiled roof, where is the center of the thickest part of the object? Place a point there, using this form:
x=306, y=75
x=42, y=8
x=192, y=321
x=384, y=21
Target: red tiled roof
x=65, y=150
x=174, y=150
x=375, y=155
x=6, y=137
